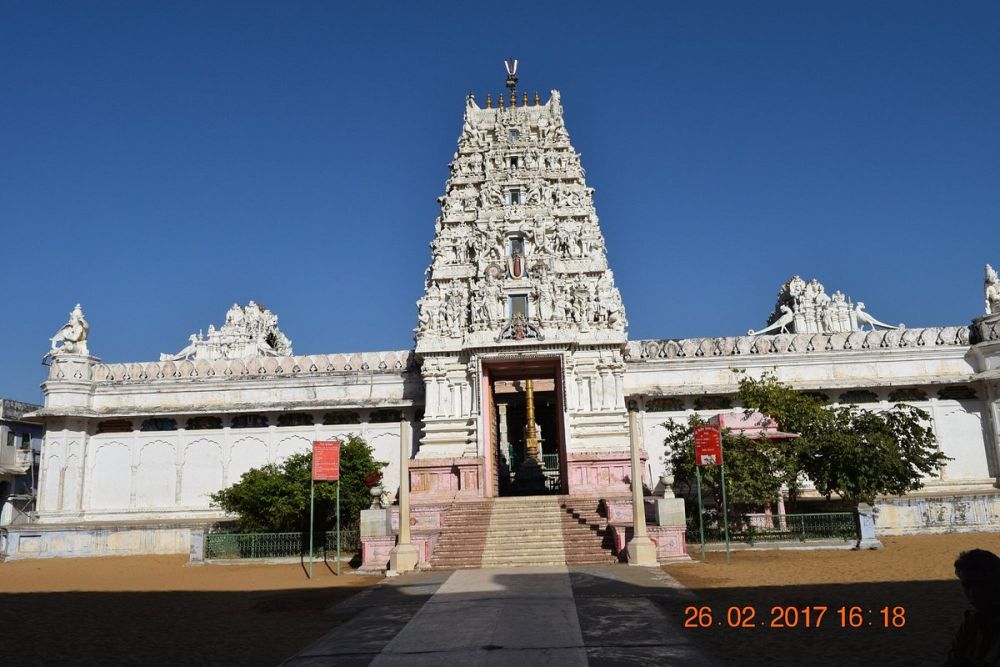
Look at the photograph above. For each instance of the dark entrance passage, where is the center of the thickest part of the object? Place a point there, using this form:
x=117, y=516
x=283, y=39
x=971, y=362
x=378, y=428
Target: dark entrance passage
x=509, y=428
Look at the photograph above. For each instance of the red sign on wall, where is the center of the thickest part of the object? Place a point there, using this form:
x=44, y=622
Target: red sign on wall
x=707, y=445
x=326, y=460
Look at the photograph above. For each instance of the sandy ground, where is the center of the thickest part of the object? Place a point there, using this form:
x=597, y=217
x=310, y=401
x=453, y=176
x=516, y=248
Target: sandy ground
x=156, y=610
x=159, y=611
x=914, y=573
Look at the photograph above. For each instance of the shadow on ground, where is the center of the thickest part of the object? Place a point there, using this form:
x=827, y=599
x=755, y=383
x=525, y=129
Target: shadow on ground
x=632, y=616
x=627, y=616
x=164, y=628
x=931, y=612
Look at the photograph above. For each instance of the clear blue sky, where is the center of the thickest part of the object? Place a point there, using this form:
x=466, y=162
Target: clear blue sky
x=161, y=160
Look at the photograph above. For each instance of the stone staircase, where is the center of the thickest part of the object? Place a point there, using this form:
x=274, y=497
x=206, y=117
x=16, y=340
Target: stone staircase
x=585, y=532
x=526, y=530
x=463, y=535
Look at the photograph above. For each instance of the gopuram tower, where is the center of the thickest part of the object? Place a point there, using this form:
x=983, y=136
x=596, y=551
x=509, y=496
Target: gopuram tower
x=520, y=317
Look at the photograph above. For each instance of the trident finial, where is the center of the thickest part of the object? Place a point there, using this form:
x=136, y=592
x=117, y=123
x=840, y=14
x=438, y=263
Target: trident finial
x=511, y=65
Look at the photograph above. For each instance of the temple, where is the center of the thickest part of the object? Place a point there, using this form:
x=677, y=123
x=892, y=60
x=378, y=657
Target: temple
x=517, y=391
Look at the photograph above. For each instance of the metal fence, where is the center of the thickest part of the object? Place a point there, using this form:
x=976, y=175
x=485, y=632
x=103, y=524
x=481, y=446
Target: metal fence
x=278, y=545
x=755, y=528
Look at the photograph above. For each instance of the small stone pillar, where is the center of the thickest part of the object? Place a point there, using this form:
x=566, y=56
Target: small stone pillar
x=403, y=557
x=641, y=551
x=864, y=521
x=504, y=437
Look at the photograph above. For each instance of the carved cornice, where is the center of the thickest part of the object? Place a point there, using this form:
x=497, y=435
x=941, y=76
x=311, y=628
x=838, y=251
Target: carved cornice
x=256, y=367
x=734, y=346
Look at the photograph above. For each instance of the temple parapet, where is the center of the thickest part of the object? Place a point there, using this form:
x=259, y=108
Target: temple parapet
x=641, y=350
x=254, y=367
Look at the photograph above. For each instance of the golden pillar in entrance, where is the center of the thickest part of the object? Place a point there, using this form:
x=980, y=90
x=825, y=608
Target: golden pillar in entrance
x=531, y=435
x=530, y=478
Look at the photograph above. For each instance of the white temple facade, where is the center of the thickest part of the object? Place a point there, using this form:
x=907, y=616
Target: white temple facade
x=519, y=292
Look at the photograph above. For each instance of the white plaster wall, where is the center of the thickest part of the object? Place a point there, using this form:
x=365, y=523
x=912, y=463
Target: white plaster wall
x=201, y=472
x=109, y=475
x=156, y=475
x=72, y=482
x=246, y=452
x=173, y=473
x=50, y=474
x=961, y=432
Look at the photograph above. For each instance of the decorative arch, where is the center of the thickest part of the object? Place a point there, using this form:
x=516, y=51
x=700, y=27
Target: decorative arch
x=110, y=477
x=201, y=472
x=246, y=453
x=156, y=475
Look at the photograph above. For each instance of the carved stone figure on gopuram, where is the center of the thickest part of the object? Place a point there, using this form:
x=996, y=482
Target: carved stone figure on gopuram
x=517, y=234
x=518, y=289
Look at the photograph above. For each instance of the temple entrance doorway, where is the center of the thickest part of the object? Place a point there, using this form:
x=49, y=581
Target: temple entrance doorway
x=528, y=455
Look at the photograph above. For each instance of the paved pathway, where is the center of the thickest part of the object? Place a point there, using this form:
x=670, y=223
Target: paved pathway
x=556, y=616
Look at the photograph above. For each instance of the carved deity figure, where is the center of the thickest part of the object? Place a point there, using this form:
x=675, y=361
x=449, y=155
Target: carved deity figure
x=477, y=307
x=493, y=296
x=991, y=287
x=72, y=336
x=545, y=300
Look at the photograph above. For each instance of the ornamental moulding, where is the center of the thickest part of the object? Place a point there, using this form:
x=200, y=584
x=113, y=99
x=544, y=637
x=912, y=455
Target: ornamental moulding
x=642, y=350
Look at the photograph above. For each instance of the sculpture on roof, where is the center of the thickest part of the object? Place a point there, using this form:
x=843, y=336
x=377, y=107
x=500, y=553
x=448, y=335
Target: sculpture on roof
x=865, y=318
x=72, y=336
x=250, y=331
x=780, y=324
x=805, y=307
x=991, y=287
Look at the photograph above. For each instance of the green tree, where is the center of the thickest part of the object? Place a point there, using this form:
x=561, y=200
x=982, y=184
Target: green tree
x=755, y=469
x=848, y=451
x=275, y=498
x=855, y=453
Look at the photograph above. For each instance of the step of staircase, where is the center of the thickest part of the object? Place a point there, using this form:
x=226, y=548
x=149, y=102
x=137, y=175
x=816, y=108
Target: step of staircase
x=525, y=530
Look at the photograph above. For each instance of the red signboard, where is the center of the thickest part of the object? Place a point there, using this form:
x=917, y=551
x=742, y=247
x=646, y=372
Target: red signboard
x=326, y=460
x=707, y=445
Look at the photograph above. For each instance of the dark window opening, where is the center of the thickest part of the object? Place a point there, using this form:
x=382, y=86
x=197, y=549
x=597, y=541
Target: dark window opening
x=203, y=423
x=159, y=424
x=384, y=416
x=295, y=419
x=337, y=418
x=249, y=421
x=115, y=426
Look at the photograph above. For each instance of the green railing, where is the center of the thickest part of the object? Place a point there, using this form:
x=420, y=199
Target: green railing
x=755, y=528
x=277, y=545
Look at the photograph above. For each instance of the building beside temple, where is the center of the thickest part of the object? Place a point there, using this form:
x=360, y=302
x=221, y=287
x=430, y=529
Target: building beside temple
x=520, y=316
x=20, y=453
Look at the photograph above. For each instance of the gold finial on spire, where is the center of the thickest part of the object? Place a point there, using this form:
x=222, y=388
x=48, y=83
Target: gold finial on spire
x=511, y=65
x=524, y=100
x=538, y=100
x=489, y=101
x=500, y=100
